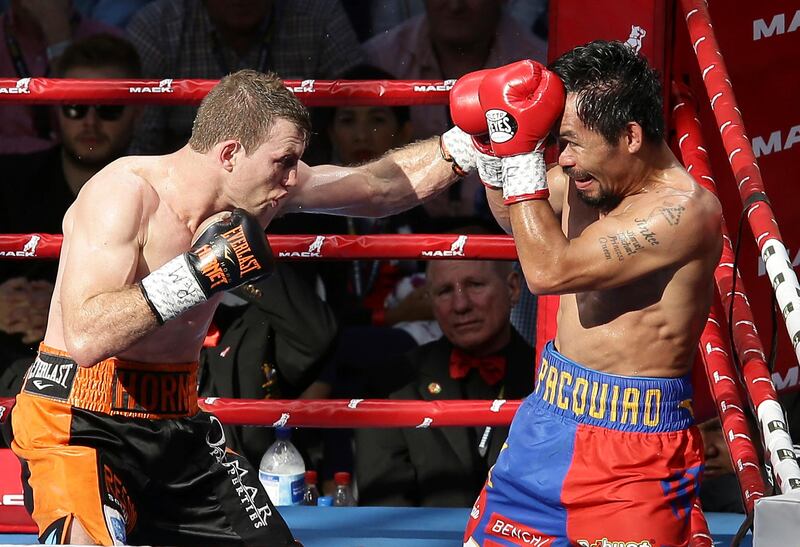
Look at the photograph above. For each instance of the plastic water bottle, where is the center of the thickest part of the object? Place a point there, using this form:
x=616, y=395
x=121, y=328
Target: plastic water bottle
x=312, y=494
x=282, y=471
x=324, y=501
x=343, y=496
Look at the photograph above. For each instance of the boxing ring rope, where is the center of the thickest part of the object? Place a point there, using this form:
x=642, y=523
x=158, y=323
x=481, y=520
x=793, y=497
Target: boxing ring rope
x=321, y=247
x=756, y=374
x=722, y=380
x=352, y=413
x=189, y=91
x=745, y=169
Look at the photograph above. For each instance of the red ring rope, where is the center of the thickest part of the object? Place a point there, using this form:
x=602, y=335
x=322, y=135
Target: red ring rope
x=188, y=91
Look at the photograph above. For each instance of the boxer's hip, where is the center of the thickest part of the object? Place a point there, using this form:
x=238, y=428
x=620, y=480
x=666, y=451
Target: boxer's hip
x=592, y=455
x=114, y=387
x=624, y=403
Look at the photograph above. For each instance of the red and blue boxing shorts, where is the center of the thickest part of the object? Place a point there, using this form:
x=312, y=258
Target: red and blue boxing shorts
x=593, y=460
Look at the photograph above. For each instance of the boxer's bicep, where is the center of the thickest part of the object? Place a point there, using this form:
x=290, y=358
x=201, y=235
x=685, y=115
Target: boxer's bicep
x=103, y=246
x=615, y=251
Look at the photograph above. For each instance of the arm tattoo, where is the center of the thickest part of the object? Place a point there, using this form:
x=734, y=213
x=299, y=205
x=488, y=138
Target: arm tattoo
x=645, y=231
x=620, y=245
x=672, y=213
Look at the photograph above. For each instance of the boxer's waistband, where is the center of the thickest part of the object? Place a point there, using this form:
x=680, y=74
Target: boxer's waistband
x=625, y=403
x=114, y=386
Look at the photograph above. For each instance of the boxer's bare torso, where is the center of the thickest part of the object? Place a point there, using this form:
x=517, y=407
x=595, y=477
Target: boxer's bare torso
x=140, y=212
x=160, y=235
x=648, y=326
x=635, y=278
x=136, y=215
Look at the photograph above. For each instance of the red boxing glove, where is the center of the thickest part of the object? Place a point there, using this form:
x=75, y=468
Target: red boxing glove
x=468, y=142
x=521, y=102
x=465, y=107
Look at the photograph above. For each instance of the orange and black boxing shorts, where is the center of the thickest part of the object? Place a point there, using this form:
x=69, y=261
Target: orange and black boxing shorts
x=123, y=448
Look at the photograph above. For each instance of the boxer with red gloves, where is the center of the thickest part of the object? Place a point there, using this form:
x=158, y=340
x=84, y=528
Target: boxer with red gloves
x=467, y=144
x=604, y=450
x=521, y=102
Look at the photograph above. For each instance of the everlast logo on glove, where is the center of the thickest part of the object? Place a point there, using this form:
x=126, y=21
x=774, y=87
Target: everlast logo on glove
x=238, y=242
x=210, y=266
x=230, y=251
x=218, y=271
x=502, y=127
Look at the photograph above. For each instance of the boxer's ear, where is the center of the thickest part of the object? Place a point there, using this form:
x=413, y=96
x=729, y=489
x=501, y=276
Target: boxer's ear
x=227, y=153
x=632, y=137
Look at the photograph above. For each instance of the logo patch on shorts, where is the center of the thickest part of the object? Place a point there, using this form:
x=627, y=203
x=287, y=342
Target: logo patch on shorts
x=51, y=376
x=607, y=543
x=520, y=534
x=115, y=525
x=151, y=392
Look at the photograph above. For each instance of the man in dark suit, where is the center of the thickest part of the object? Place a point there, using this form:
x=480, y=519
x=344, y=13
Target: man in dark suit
x=480, y=356
x=274, y=334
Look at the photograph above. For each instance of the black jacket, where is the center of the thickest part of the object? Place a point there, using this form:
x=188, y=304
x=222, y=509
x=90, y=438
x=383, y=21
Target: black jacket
x=285, y=326
x=439, y=466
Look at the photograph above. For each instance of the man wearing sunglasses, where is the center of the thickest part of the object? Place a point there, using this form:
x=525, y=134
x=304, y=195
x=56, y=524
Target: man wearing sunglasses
x=38, y=188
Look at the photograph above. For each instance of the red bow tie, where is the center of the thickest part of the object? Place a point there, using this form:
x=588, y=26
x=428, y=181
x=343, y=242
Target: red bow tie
x=492, y=368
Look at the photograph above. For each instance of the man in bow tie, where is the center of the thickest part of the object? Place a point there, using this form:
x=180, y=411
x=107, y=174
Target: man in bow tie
x=480, y=356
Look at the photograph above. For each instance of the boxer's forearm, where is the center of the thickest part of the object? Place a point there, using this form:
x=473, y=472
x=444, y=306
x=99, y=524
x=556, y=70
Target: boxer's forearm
x=107, y=324
x=408, y=176
x=540, y=243
x=394, y=183
x=494, y=197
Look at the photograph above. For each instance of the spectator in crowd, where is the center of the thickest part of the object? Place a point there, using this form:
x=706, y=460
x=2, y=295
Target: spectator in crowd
x=363, y=133
x=449, y=40
x=274, y=334
x=531, y=14
x=370, y=18
x=719, y=491
x=112, y=12
x=301, y=39
x=481, y=356
x=354, y=135
x=35, y=33
x=39, y=187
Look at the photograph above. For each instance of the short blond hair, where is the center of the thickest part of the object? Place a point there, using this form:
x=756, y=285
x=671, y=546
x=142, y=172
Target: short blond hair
x=244, y=106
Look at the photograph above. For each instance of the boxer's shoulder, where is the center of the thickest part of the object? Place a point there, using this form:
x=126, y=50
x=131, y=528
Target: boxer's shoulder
x=118, y=195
